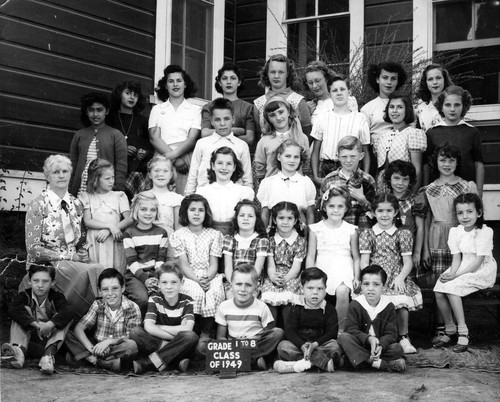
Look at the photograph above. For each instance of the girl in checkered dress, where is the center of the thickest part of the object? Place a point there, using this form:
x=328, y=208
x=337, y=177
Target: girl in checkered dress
x=439, y=196
x=387, y=245
x=199, y=247
x=402, y=142
x=248, y=242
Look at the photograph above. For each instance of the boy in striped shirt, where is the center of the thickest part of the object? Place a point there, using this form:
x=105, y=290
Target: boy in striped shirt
x=168, y=334
x=245, y=317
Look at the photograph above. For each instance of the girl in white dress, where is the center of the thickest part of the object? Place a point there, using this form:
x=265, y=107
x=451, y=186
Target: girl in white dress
x=473, y=268
x=106, y=214
x=333, y=247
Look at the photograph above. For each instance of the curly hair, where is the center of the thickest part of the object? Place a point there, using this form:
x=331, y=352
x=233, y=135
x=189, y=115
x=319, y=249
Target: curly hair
x=455, y=90
x=448, y=151
x=87, y=101
x=238, y=171
x=229, y=66
x=374, y=71
x=285, y=206
x=116, y=96
x=409, y=112
x=471, y=198
x=319, y=66
x=95, y=170
x=291, y=74
x=208, y=222
x=260, y=229
x=161, y=88
x=423, y=90
x=402, y=168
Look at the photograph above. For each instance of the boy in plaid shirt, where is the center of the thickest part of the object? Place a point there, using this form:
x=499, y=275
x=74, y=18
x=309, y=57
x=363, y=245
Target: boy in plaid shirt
x=113, y=317
x=350, y=178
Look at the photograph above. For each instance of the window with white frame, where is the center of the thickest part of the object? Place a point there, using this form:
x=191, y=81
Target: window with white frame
x=191, y=44
x=318, y=30
x=468, y=32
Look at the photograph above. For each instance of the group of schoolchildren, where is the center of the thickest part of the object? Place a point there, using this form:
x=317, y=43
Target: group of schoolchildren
x=262, y=248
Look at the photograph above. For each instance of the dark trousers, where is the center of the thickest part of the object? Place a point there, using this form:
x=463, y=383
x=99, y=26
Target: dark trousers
x=162, y=352
x=320, y=356
x=358, y=353
x=124, y=349
x=136, y=291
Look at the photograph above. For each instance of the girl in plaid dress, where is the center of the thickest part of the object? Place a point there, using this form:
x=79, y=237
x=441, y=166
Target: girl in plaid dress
x=248, y=243
x=199, y=247
x=391, y=248
x=439, y=196
x=287, y=250
x=402, y=142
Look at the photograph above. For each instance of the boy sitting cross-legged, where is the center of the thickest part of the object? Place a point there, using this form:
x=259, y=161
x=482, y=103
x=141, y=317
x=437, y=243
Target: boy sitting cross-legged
x=371, y=333
x=38, y=311
x=245, y=317
x=310, y=330
x=113, y=317
x=168, y=326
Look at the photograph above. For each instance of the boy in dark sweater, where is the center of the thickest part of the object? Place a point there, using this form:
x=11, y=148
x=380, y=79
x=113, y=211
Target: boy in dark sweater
x=310, y=330
x=371, y=333
x=39, y=311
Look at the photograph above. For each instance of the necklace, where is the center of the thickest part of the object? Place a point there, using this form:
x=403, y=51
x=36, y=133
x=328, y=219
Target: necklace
x=129, y=126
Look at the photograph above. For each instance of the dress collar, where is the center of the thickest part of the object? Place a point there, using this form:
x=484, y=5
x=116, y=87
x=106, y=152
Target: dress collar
x=461, y=122
x=321, y=306
x=238, y=238
x=290, y=239
x=55, y=200
x=294, y=178
x=378, y=230
x=217, y=137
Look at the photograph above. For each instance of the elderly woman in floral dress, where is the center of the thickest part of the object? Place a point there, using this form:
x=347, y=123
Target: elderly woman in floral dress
x=53, y=232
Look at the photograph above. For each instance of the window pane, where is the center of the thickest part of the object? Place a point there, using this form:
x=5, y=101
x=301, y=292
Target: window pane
x=196, y=14
x=334, y=41
x=477, y=70
x=488, y=19
x=177, y=21
x=453, y=22
x=298, y=9
x=196, y=66
x=302, y=42
x=332, y=6
x=176, y=56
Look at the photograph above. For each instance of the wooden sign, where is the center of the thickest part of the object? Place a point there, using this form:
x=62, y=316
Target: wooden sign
x=229, y=356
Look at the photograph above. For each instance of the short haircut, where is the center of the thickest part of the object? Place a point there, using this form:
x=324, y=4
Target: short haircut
x=246, y=269
x=340, y=78
x=390, y=199
x=144, y=196
x=221, y=104
x=238, y=172
x=409, y=112
x=403, y=168
x=169, y=268
x=274, y=104
x=161, y=89
x=186, y=202
x=95, y=170
x=374, y=71
x=349, y=142
x=291, y=75
x=110, y=273
x=56, y=160
x=471, y=198
x=286, y=144
x=455, y=90
x=87, y=101
x=423, y=90
x=311, y=274
x=448, y=151
x=229, y=66
x=374, y=269
x=135, y=87
x=34, y=268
